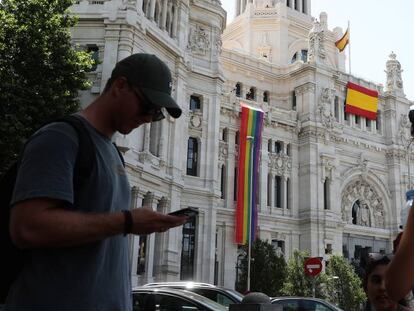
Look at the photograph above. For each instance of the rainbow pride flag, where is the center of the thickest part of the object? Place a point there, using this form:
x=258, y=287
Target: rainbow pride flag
x=251, y=126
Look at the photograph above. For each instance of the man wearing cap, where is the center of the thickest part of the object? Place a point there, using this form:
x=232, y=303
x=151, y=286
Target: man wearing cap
x=77, y=249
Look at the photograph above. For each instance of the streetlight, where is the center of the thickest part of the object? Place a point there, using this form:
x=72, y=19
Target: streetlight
x=249, y=256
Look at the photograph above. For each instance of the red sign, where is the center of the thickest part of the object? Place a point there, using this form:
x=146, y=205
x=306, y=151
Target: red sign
x=313, y=266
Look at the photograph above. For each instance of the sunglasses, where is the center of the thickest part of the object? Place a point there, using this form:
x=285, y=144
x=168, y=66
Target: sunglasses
x=148, y=108
x=379, y=256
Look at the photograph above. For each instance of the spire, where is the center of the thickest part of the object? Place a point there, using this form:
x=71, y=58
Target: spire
x=394, y=79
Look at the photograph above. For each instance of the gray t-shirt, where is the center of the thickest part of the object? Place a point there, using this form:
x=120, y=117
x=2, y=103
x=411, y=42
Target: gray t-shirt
x=95, y=276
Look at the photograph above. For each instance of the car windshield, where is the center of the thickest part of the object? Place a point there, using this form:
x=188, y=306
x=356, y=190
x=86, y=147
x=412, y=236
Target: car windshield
x=235, y=294
x=205, y=301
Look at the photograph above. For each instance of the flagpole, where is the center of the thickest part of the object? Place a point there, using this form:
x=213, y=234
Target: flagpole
x=349, y=47
x=249, y=254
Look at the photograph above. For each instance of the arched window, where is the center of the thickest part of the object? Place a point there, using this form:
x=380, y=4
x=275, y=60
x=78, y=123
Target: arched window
x=265, y=96
x=294, y=57
x=252, y=94
x=355, y=208
x=238, y=89
x=225, y=136
x=192, y=155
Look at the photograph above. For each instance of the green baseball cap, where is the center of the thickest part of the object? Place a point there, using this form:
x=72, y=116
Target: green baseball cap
x=152, y=76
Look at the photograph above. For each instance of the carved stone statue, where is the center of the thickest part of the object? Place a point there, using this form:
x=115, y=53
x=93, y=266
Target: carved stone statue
x=394, y=79
x=316, y=48
x=363, y=218
x=324, y=107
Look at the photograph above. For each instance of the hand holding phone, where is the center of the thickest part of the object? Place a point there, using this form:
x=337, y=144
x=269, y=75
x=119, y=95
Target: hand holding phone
x=188, y=212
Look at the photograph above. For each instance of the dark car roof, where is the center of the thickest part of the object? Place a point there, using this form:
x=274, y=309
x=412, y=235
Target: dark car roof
x=285, y=298
x=237, y=297
x=184, y=294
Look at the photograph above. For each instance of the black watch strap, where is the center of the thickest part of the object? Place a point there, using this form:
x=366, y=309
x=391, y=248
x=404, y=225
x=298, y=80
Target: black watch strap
x=127, y=222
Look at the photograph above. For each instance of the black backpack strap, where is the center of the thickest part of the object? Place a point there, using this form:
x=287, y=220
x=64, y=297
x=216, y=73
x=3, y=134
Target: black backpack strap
x=85, y=158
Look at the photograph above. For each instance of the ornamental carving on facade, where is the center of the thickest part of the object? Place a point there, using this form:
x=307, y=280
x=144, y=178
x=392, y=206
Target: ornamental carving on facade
x=394, y=79
x=361, y=205
x=280, y=163
x=316, y=50
x=404, y=130
x=195, y=121
x=198, y=41
x=308, y=87
x=223, y=151
x=324, y=107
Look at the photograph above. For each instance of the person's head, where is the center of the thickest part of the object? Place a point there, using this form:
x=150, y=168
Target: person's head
x=374, y=282
x=140, y=90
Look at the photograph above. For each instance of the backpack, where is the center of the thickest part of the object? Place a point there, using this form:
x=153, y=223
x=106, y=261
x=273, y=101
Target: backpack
x=13, y=257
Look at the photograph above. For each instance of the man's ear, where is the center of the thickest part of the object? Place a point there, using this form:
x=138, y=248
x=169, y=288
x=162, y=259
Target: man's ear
x=118, y=85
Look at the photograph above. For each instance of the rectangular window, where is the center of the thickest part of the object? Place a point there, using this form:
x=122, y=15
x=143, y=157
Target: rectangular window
x=188, y=250
x=269, y=190
x=93, y=51
x=293, y=100
x=326, y=194
x=278, y=191
x=195, y=103
x=378, y=125
x=368, y=123
x=192, y=154
x=278, y=146
x=223, y=182
x=142, y=254
x=336, y=108
x=288, y=193
x=345, y=114
x=357, y=119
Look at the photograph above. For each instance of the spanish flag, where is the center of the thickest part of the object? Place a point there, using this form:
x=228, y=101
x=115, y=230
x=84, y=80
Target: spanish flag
x=343, y=42
x=361, y=101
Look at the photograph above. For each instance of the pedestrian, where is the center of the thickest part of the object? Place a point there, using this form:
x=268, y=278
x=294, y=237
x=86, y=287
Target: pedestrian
x=76, y=245
x=400, y=275
x=374, y=285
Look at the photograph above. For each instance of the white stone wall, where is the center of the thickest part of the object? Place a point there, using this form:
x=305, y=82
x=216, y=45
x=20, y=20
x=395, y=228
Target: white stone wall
x=359, y=162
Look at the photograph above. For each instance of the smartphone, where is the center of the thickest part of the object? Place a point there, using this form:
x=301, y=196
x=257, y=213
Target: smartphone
x=189, y=212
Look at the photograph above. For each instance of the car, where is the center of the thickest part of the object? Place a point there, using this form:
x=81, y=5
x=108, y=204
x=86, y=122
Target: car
x=304, y=304
x=171, y=299
x=221, y=295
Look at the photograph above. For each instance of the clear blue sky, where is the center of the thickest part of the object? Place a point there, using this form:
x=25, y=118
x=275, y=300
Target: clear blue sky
x=378, y=27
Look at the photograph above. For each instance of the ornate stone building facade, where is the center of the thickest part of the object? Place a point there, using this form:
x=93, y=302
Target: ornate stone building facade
x=330, y=182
